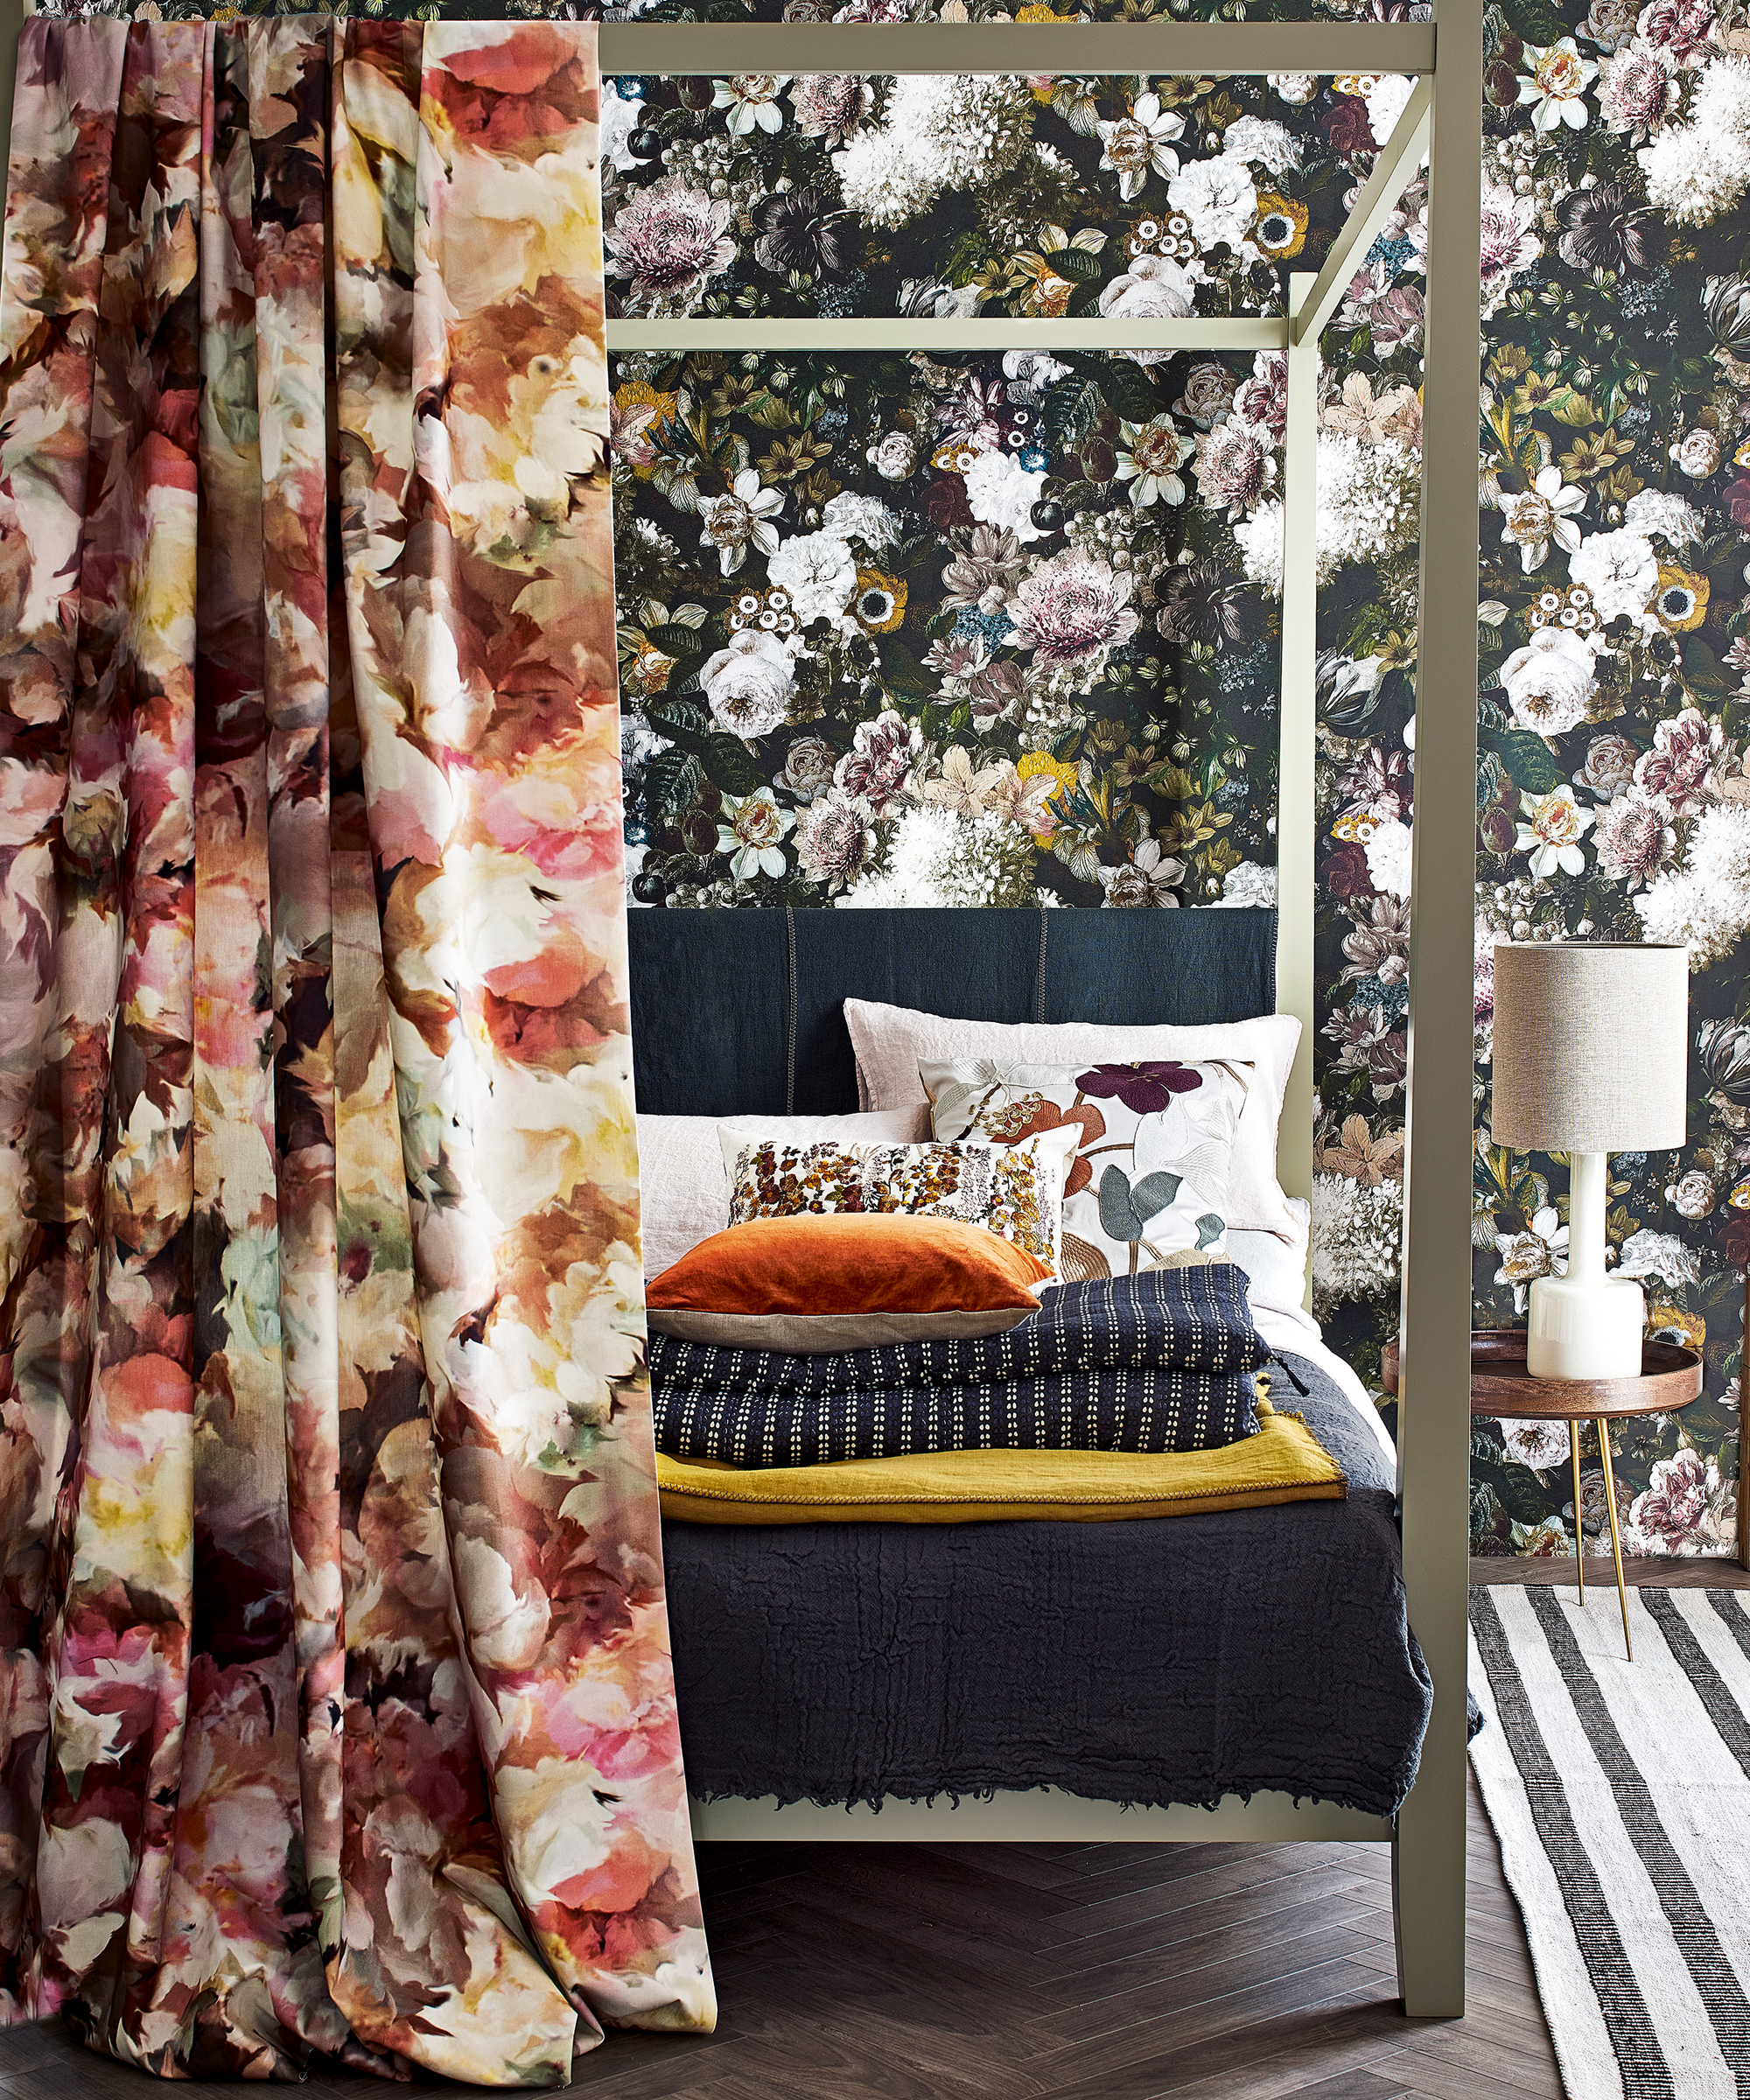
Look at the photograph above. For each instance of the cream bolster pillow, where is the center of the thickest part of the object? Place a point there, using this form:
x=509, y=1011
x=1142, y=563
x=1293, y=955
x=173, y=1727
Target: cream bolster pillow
x=680, y=1166
x=892, y=1041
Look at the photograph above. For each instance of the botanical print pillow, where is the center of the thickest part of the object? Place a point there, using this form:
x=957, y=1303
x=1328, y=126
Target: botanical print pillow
x=1015, y=1190
x=1148, y=1185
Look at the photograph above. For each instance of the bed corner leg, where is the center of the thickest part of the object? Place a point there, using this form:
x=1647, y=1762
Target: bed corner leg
x=1428, y=1905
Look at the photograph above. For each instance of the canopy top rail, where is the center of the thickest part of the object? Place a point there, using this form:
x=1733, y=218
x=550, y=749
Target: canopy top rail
x=678, y=48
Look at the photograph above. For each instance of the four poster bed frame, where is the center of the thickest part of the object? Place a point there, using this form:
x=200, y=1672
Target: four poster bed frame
x=1441, y=119
x=1427, y=1836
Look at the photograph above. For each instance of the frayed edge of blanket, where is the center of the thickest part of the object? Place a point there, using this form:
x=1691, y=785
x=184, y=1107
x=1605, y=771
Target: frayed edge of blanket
x=953, y=1795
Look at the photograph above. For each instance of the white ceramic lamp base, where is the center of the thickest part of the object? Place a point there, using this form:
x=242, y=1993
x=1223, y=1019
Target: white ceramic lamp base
x=1585, y=1328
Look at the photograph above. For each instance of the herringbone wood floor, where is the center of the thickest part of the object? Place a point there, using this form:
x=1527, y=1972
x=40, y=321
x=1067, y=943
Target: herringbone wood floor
x=1052, y=1972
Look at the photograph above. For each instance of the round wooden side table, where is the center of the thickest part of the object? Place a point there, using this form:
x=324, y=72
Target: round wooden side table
x=1501, y=1389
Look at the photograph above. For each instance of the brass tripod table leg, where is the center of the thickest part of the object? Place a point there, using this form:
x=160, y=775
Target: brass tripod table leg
x=1615, y=1536
x=1580, y=1534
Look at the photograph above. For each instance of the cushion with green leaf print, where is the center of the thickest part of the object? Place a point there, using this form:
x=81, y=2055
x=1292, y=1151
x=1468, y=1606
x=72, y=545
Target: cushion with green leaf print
x=1147, y=1187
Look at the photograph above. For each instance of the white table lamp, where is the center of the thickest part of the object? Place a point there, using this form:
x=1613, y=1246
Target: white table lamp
x=1590, y=1057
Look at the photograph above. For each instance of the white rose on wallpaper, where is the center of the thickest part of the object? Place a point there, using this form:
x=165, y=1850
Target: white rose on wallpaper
x=1660, y=1254
x=1696, y=453
x=1620, y=569
x=894, y=456
x=1550, y=682
x=1611, y=23
x=1542, y=1446
x=1002, y=492
x=1261, y=143
x=1650, y=510
x=1388, y=859
x=1295, y=87
x=1218, y=197
x=1248, y=884
x=850, y=515
x=619, y=119
x=818, y=571
x=1692, y=1195
x=1384, y=106
x=1153, y=288
x=749, y=684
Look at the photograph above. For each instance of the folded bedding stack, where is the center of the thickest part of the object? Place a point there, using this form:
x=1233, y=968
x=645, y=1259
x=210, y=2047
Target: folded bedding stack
x=1164, y=1361
x=1030, y=1312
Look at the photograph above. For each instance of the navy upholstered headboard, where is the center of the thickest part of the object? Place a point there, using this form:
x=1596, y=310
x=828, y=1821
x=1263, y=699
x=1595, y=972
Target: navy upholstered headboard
x=742, y=1012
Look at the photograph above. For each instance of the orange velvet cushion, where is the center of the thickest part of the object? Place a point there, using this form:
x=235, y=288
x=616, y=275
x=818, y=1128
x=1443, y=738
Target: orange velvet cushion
x=847, y=1280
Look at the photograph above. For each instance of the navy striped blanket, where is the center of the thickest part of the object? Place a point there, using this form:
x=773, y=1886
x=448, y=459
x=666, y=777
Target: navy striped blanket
x=1166, y=1360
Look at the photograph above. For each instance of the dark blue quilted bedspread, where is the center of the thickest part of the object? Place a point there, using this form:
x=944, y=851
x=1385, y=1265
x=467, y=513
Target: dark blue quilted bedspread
x=1161, y=1361
x=1154, y=1659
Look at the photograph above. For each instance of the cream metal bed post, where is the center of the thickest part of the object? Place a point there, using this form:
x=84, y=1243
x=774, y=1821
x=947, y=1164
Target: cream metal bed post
x=1428, y=1854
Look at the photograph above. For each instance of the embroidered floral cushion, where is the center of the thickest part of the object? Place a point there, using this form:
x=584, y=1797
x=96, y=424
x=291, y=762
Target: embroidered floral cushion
x=1012, y=1189
x=1148, y=1185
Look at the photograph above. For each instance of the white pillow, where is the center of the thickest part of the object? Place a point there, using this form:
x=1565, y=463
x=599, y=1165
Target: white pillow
x=890, y=1042
x=1276, y=1269
x=680, y=1167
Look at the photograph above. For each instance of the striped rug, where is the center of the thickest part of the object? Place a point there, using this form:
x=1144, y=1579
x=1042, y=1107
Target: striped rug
x=1620, y=1794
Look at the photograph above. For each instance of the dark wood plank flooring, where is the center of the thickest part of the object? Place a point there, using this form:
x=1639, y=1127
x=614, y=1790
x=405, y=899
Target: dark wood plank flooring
x=1053, y=1972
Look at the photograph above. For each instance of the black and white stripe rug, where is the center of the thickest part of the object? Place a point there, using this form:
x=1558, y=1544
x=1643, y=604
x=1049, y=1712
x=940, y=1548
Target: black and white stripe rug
x=1620, y=1794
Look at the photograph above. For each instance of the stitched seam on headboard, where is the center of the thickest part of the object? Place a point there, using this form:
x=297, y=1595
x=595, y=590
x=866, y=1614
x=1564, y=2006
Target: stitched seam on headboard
x=790, y=1053
x=1044, y=920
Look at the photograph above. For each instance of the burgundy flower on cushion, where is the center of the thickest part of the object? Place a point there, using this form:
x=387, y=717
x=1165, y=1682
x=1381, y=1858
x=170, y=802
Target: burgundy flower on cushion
x=1145, y=1089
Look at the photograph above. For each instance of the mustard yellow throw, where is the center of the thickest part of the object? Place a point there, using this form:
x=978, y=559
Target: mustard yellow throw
x=1285, y=1462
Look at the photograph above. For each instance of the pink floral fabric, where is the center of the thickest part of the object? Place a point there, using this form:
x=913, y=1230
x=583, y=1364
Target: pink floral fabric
x=336, y=1711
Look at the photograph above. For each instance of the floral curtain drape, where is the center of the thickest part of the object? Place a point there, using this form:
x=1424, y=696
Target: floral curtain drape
x=336, y=1711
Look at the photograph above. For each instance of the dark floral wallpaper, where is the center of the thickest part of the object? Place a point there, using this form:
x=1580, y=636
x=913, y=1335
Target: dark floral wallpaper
x=907, y=630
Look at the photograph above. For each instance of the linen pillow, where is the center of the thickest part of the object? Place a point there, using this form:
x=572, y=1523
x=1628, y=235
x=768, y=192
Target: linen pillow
x=1015, y=1190
x=846, y=1281
x=685, y=1199
x=892, y=1041
x=1155, y=1140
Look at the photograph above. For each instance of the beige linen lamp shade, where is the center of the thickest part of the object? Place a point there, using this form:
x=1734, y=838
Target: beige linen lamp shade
x=1591, y=1047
